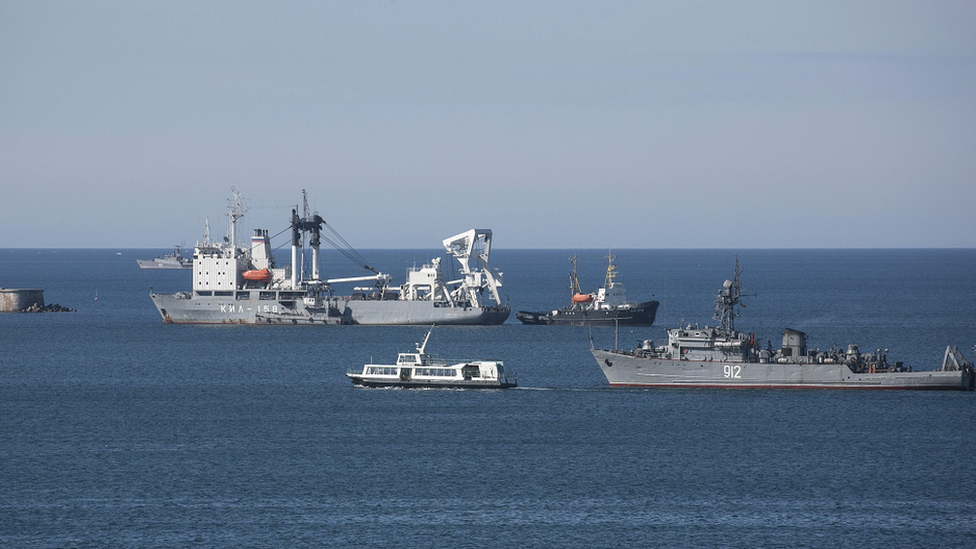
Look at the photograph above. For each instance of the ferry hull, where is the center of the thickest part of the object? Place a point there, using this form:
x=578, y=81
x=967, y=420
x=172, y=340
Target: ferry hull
x=418, y=384
x=187, y=309
x=627, y=370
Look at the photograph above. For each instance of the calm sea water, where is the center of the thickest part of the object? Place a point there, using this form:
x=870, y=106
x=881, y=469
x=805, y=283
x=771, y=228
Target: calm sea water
x=119, y=431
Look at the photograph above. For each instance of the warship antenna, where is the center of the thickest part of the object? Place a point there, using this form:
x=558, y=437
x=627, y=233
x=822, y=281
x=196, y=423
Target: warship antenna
x=728, y=297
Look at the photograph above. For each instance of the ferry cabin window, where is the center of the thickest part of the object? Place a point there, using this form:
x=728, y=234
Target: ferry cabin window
x=434, y=372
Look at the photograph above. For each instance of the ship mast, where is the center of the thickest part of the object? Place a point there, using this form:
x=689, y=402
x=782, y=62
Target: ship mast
x=574, y=287
x=611, y=271
x=236, y=212
x=728, y=297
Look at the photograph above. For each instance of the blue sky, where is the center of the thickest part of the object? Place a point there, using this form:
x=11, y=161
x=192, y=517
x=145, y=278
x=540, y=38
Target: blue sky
x=556, y=124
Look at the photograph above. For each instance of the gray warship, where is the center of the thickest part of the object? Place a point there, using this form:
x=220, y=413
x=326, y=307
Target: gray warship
x=723, y=357
x=608, y=306
x=172, y=260
x=235, y=284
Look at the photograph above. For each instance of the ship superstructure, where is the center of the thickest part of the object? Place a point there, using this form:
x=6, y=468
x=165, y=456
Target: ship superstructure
x=721, y=356
x=242, y=284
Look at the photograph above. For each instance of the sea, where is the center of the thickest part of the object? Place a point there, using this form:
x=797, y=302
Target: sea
x=117, y=430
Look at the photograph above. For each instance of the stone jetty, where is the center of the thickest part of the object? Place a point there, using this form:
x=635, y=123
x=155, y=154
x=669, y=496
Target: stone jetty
x=27, y=301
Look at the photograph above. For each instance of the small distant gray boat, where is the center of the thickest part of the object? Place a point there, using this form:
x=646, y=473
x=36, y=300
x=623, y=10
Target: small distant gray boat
x=722, y=357
x=172, y=260
x=421, y=370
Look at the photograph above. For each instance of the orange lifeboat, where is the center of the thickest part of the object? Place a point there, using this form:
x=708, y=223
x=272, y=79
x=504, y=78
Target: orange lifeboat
x=263, y=275
x=582, y=298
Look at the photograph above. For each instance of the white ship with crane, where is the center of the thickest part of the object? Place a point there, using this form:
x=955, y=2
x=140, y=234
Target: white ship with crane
x=237, y=284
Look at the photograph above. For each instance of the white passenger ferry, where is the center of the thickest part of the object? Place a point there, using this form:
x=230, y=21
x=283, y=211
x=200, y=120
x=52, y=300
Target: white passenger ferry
x=419, y=369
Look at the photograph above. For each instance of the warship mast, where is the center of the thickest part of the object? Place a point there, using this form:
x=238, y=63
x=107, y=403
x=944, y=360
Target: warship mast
x=728, y=297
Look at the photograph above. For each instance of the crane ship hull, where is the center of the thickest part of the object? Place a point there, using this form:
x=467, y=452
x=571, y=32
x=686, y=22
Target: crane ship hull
x=252, y=308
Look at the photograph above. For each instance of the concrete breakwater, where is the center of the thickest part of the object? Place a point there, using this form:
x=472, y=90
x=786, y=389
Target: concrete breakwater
x=27, y=301
x=15, y=301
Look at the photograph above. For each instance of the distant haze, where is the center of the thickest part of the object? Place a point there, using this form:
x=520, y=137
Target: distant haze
x=556, y=124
